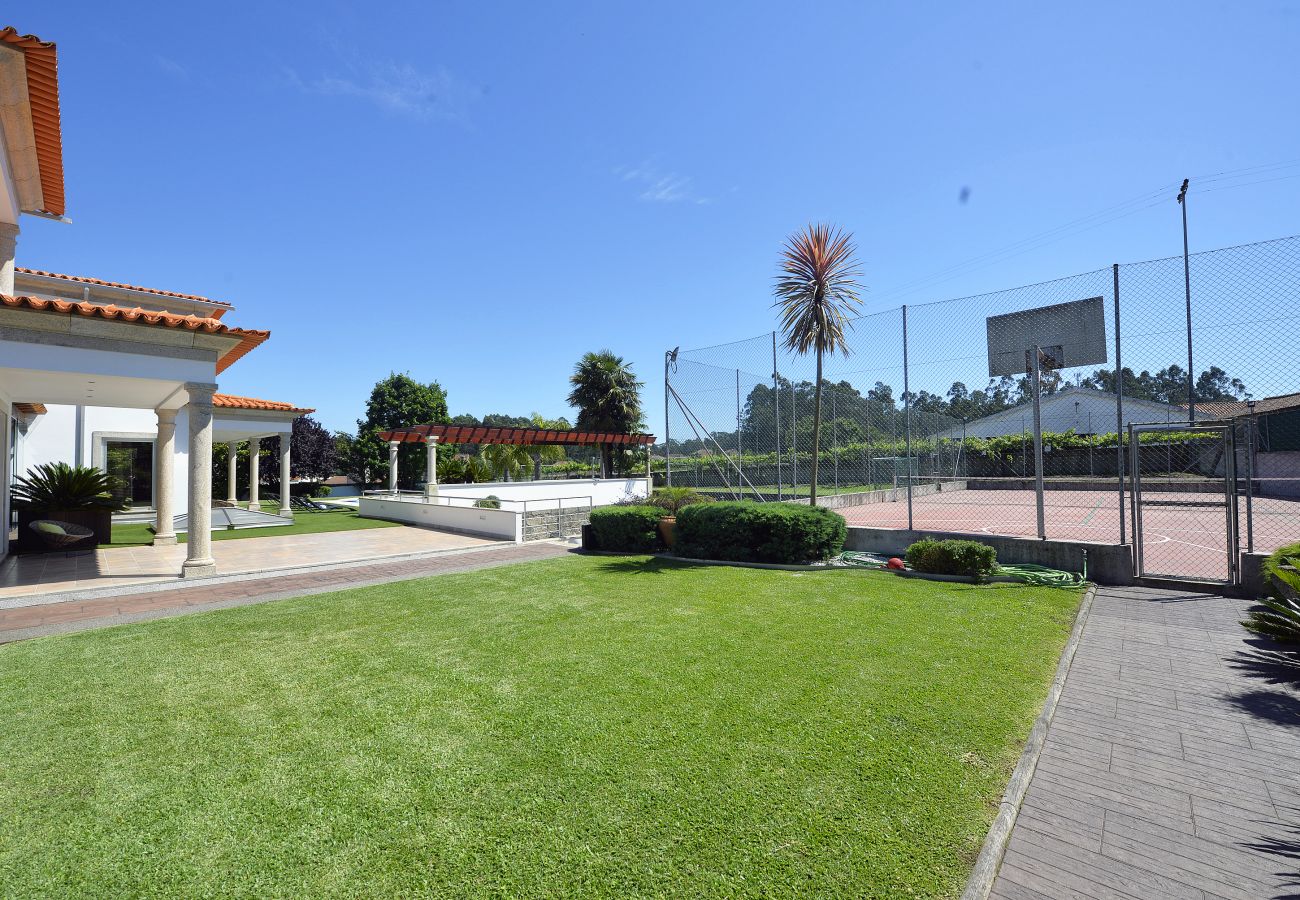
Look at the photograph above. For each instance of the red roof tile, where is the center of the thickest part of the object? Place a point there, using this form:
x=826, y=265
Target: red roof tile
x=79, y=279
x=250, y=338
x=42, y=64
x=230, y=401
x=31, y=409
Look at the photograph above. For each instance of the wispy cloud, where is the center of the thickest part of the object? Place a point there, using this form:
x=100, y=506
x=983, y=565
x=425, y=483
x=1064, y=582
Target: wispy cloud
x=660, y=186
x=397, y=88
x=171, y=66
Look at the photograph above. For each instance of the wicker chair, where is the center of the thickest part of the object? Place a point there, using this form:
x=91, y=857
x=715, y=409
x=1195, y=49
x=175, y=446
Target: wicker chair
x=73, y=534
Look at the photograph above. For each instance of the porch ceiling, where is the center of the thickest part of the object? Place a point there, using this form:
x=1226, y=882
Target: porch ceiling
x=30, y=386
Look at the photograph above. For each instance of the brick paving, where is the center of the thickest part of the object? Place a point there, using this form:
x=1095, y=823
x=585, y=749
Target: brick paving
x=78, y=615
x=1172, y=765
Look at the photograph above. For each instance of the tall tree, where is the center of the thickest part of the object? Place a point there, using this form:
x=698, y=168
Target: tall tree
x=397, y=401
x=817, y=292
x=608, y=398
x=313, y=454
x=546, y=453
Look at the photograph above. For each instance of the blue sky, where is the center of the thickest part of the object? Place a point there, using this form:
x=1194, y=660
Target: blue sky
x=479, y=193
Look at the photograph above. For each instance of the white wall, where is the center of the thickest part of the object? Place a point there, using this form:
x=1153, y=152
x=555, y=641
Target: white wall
x=497, y=523
x=52, y=438
x=546, y=494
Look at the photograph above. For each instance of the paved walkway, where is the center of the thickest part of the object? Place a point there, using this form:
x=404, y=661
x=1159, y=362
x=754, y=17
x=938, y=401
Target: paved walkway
x=21, y=576
x=1172, y=766
x=41, y=619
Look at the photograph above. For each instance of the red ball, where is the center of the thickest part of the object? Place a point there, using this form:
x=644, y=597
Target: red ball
x=894, y=563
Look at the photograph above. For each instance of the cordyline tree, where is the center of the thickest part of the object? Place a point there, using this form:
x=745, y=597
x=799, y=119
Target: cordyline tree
x=397, y=401
x=817, y=292
x=608, y=398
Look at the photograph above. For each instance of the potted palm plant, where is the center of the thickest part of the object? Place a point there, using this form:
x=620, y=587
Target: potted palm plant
x=671, y=500
x=78, y=495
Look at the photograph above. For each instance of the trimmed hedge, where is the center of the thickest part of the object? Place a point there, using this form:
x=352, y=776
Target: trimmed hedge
x=953, y=558
x=628, y=529
x=759, y=532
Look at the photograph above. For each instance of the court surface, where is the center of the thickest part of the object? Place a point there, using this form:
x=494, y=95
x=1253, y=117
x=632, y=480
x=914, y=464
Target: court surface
x=1184, y=533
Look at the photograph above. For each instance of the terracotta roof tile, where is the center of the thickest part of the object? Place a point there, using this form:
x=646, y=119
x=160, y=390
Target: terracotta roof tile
x=249, y=338
x=42, y=64
x=230, y=401
x=80, y=279
x=31, y=409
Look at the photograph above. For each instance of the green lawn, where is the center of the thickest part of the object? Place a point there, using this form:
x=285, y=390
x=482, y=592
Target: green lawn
x=587, y=726
x=304, y=522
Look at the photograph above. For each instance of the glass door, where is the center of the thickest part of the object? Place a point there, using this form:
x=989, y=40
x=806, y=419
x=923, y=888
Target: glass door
x=131, y=463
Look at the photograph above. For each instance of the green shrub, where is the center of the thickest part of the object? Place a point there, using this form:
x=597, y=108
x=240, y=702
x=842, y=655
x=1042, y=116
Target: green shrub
x=627, y=529
x=673, y=499
x=759, y=532
x=953, y=558
x=491, y=501
x=1278, y=616
x=61, y=487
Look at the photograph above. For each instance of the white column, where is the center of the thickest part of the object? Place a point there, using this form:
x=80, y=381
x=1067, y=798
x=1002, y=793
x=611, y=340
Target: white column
x=285, y=509
x=8, y=247
x=232, y=468
x=6, y=411
x=164, y=490
x=392, y=466
x=198, y=549
x=254, y=473
x=431, y=466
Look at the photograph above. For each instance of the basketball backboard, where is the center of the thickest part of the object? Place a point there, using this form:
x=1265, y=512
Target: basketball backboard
x=1070, y=334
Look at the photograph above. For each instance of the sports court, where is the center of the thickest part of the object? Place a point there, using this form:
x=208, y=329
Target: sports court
x=1184, y=533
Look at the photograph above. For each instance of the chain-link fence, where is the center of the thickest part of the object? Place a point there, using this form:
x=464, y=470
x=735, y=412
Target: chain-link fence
x=928, y=422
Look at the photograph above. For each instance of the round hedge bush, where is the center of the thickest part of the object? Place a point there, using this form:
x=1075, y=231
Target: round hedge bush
x=627, y=529
x=760, y=532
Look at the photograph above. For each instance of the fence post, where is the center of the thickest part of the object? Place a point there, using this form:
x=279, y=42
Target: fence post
x=776, y=402
x=907, y=409
x=1119, y=408
x=668, y=446
x=794, y=444
x=740, y=464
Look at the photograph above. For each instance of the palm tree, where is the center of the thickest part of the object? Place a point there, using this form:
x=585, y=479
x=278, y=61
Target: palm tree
x=817, y=291
x=607, y=395
x=546, y=452
x=505, y=459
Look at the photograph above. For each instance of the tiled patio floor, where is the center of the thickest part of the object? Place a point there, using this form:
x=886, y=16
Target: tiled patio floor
x=50, y=573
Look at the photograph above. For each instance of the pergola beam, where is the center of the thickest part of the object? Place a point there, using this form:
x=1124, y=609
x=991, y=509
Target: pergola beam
x=482, y=434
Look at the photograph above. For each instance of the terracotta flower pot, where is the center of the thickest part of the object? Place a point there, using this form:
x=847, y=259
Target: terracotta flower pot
x=668, y=530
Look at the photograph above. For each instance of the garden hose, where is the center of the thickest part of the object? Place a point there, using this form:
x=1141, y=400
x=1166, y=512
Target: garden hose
x=1026, y=573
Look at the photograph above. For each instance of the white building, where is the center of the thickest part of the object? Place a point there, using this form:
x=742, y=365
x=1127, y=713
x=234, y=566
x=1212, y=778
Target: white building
x=106, y=374
x=1084, y=410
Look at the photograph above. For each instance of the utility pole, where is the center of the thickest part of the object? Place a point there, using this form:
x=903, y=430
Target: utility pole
x=1187, y=285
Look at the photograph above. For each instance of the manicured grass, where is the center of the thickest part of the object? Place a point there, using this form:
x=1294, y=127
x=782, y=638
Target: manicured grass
x=588, y=726
x=304, y=522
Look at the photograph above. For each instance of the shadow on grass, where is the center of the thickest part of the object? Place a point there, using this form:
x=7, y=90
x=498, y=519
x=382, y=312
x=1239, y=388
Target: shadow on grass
x=654, y=565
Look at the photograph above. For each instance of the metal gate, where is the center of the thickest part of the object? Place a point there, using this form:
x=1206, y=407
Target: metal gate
x=1183, y=490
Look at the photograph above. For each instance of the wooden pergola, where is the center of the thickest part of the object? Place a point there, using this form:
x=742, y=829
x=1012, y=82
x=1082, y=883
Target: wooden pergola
x=484, y=434
x=432, y=435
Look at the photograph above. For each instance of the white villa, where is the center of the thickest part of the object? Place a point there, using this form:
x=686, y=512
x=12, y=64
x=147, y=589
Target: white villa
x=112, y=375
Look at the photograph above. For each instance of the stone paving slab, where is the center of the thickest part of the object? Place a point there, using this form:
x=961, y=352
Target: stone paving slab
x=1171, y=766
x=79, y=615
